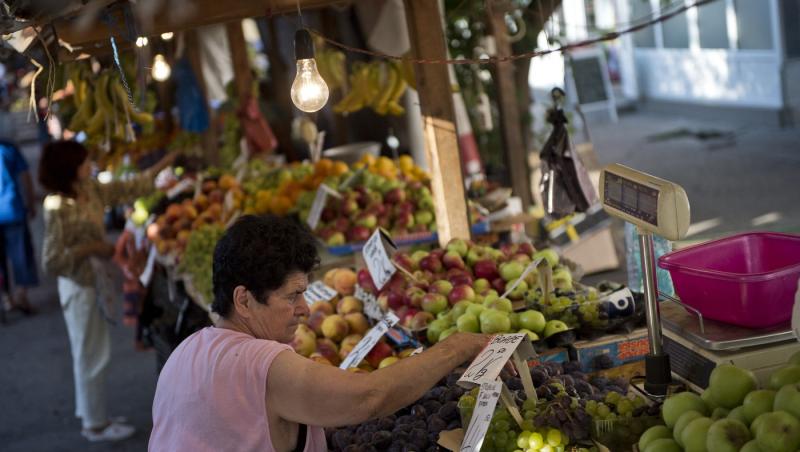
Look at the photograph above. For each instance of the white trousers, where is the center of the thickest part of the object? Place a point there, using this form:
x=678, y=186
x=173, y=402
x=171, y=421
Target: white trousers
x=90, y=343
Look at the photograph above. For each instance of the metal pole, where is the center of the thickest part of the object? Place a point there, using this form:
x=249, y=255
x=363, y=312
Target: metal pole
x=650, y=286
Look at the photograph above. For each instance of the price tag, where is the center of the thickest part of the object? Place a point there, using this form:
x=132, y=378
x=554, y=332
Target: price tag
x=481, y=417
x=378, y=255
x=371, y=307
x=532, y=266
x=320, y=200
x=147, y=273
x=318, y=291
x=351, y=181
x=489, y=362
x=370, y=339
x=417, y=351
x=796, y=313
x=620, y=303
x=180, y=187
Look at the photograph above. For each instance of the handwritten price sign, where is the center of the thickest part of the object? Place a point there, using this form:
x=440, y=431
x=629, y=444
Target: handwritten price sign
x=371, y=307
x=487, y=365
x=370, y=339
x=378, y=255
x=318, y=291
x=481, y=417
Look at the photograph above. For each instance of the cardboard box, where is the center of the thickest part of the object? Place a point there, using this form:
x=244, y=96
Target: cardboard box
x=595, y=251
x=555, y=355
x=620, y=349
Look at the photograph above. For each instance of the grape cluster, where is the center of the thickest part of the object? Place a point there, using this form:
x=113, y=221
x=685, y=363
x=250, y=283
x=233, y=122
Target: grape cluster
x=542, y=440
x=415, y=428
x=503, y=430
x=575, y=308
x=198, y=256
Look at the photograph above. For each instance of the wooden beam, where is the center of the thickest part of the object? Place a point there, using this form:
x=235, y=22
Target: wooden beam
x=510, y=124
x=439, y=125
x=242, y=74
x=198, y=13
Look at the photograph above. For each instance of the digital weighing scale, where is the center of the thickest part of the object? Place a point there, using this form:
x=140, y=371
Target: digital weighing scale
x=691, y=346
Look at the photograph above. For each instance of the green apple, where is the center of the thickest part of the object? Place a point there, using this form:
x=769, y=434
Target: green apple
x=468, y=323
x=501, y=304
x=730, y=384
x=447, y=333
x=435, y=329
x=532, y=320
x=788, y=399
x=511, y=271
x=706, y=396
x=562, y=278
x=779, y=432
x=489, y=298
x=663, y=445
x=681, y=424
x=757, y=422
x=460, y=308
x=475, y=309
x=481, y=285
x=751, y=446
x=784, y=376
x=680, y=403
x=727, y=435
x=738, y=414
x=652, y=434
x=547, y=254
x=434, y=303
x=554, y=326
x=693, y=436
x=756, y=403
x=531, y=335
x=494, y=322
x=795, y=359
x=519, y=292
x=720, y=413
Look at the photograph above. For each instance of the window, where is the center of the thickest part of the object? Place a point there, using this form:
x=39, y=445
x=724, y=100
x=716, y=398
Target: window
x=754, y=24
x=641, y=11
x=713, y=26
x=675, y=29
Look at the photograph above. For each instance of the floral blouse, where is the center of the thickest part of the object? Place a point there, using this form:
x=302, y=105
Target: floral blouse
x=70, y=223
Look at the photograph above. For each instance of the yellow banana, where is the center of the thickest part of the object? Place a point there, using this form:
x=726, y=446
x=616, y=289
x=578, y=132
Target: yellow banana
x=138, y=117
x=82, y=116
x=387, y=90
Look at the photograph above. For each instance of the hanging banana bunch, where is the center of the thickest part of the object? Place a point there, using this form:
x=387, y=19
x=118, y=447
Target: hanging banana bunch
x=331, y=66
x=377, y=85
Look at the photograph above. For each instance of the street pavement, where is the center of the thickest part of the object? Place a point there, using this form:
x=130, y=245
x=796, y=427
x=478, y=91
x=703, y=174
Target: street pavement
x=739, y=177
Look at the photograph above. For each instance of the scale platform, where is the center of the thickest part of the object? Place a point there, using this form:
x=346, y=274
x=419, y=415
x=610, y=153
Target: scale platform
x=713, y=335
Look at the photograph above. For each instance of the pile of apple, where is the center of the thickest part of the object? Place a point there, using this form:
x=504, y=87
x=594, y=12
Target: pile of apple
x=334, y=327
x=458, y=288
x=733, y=414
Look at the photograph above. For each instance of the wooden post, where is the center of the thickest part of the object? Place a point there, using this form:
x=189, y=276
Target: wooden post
x=516, y=153
x=237, y=46
x=439, y=124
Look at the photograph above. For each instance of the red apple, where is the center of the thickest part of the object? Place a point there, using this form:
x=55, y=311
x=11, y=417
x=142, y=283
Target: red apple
x=395, y=196
x=367, y=220
x=499, y=284
x=434, y=303
x=341, y=224
x=526, y=248
x=414, y=296
x=486, y=269
x=404, y=220
x=461, y=293
x=453, y=260
x=442, y=287
x=380, y=351
x=392, y=300
x=348, y=207
x=438, y=252
x=402, y=259
x=420, y=320
x=431, y=263
x=358, y=234
x=365, y=281
x=328, y=214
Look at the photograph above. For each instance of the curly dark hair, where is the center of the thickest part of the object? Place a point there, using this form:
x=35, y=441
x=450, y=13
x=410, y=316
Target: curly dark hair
x=259, y=252
x=58, y=167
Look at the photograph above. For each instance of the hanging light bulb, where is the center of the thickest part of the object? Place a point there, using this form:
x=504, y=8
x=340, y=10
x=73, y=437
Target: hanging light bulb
x=167, y=36
x=141, y=41
x=161, y=69
x=309, y=91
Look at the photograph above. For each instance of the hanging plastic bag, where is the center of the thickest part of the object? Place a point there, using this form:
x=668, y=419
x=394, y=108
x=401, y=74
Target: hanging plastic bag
x=566, y=187
x=259, y=135
x=192, y=108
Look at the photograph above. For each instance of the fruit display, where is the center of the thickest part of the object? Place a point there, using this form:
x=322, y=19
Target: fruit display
x=458, y=288
x=334, y=327
x=732, y=414
x=197, y=259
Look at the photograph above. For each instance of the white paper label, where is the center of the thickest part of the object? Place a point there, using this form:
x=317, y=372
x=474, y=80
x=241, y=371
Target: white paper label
x=180, y=187
x=227, y=203
x=417, y=351
x=378, y=256
x=350, y=181
x=621, y=301
x=796, y=313
x=147, y=273
x=368, y=341
x=371, y=307
x=481, y=416
x=316, y=207
x=318, y=291
x=489, y=362
x=532, y=266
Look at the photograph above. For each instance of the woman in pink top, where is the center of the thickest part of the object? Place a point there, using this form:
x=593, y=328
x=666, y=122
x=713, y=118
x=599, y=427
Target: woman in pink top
x=238, y=386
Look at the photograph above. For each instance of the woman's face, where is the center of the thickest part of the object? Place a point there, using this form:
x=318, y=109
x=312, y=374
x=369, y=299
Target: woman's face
x=278, y=319
x=85, y=170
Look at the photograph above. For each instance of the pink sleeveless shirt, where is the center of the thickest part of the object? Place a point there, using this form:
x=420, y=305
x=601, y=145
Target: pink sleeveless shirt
x=211, y=395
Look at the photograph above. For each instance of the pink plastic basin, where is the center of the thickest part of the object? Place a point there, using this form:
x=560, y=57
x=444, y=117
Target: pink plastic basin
x=747, y=279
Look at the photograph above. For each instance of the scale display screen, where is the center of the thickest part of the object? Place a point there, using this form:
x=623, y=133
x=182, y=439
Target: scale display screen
x=632, y=198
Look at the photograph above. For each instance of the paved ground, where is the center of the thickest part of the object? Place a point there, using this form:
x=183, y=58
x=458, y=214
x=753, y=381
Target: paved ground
x=731, y=181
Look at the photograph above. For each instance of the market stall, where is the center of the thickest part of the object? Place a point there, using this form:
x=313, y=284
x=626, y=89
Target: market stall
x=410, y=256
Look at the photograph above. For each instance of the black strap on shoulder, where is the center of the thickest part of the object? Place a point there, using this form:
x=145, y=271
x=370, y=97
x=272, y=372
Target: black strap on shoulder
x=302, y=432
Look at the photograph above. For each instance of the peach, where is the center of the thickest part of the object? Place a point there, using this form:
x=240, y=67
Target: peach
x=328, y=349
x=320, y=359
x=388, y=361
x=304, y=344
x=329, y=275
x=344, y=281
x=348, y=305
x=315, y=322
x=335, y=327
x=322, y=306
x=358, y=322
